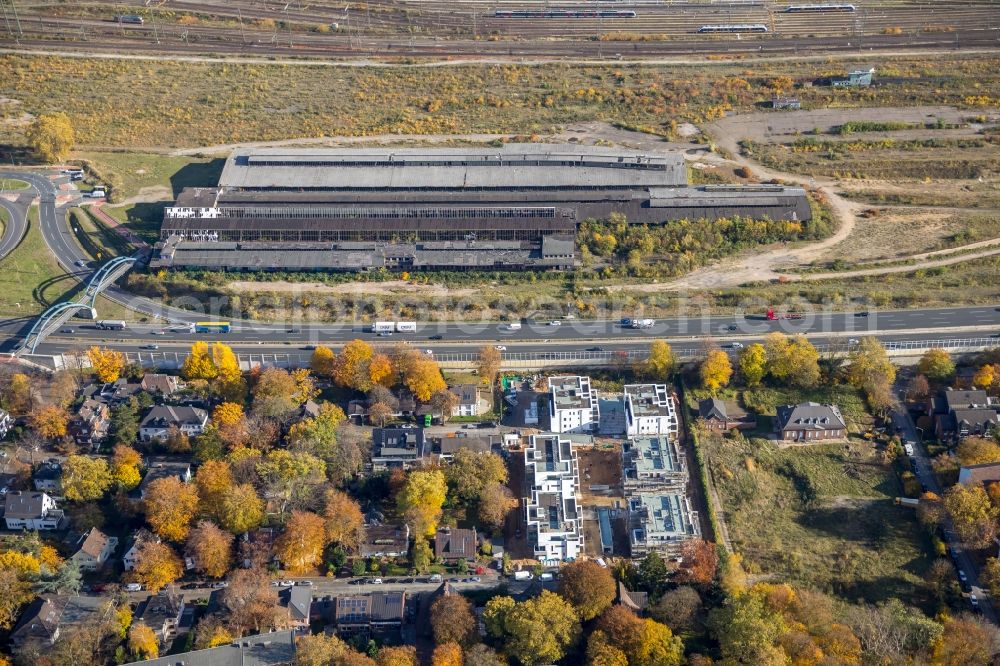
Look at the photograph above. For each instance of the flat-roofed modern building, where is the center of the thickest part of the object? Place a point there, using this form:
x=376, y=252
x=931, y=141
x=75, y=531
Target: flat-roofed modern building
x=650, y=410
x=553, y=517
x=661, y=523
x=654, y=463
x=487, y=208
x=573, y=406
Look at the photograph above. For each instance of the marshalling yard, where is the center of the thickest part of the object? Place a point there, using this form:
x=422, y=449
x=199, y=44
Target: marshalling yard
x=577, y=30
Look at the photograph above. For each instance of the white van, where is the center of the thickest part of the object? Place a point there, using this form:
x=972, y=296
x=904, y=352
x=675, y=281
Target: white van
x=97, y=193
x=406, y=326
x=512, y=326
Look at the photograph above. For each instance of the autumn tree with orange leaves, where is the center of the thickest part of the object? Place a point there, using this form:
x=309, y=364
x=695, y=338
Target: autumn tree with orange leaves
x=107, y=363
x=300, y=546
x=170, y=506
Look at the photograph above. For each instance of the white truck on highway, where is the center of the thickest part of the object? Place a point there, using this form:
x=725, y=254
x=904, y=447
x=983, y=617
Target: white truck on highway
x=512, y=326
x=386, y=327
x=106, y=325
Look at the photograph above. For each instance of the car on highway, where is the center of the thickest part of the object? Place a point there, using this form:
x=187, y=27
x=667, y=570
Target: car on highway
x=861, y=314
x=81, y=263
x=384, y=334
x=500, y=348
x=733, y=345
x=732, y=327
x=596, y=349
x=555, y=322
x=308, y=347
x=150, y=347
x=68, y=330
x=157, y=332
x=429, y=352
x=436, y=337
x=852, y=342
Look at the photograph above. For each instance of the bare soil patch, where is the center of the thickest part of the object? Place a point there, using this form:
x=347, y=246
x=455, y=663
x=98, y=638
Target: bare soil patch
x=352, y=288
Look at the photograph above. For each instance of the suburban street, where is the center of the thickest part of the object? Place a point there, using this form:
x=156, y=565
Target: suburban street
x=908, y=433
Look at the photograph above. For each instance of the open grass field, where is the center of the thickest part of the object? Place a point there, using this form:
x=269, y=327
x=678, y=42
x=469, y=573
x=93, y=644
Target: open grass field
x=971, y=193
x=31, y=280
x=820, y=516
x=125, y=103
x=12, y=184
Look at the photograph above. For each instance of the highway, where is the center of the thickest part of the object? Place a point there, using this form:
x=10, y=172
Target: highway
x=536, y=334
x=17, y=225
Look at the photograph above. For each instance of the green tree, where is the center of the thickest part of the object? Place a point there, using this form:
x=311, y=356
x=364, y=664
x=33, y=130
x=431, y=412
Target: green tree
x=541, y=630
x=652, y=573
x=470, y=472
x=51, y=137
x=936, y=364
x=748, y=631
x=753, y=364
x=794, y=360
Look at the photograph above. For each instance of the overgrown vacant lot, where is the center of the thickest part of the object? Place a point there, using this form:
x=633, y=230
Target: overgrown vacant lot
x=159, y=104
x=819, y=515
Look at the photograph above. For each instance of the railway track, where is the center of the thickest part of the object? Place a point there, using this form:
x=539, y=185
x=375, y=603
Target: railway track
x=454, y=28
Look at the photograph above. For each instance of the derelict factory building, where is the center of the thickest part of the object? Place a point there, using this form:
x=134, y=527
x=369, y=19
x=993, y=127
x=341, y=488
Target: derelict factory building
x=514, y=207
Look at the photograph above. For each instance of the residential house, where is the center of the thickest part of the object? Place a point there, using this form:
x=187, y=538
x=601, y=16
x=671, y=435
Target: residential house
x=157, y=383
x=962, y=413
x=274, y=649
x=257, y=547
x=809, y=422
x=158, y=423
x=634, y=600
x=984, y=473
x=162, y=613
x=91, y=424
x=93, y=549
x=552, y=477
x=6, y=423
x=654, y=463
x=450, y=444
x=38, y=626
x=386, y=541
x=379, y=613
x=661, y=523
x=469, y=403
x=46, y=619
x=161, y=469
x=135, y=544
x=397, y=447
x=32, y=511
x=298, y=600
x=48, y=477
x=715, y=414
x=453, y=544
x=573, y=406
x=117, y=392
x=650, y=410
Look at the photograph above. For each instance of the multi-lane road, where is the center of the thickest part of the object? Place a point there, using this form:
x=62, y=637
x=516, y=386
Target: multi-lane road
x=17, y=223
x=166, y=327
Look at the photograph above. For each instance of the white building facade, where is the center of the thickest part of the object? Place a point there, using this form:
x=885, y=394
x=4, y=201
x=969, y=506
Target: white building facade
x=650, y=410
x=573, y=406
x=553, y=516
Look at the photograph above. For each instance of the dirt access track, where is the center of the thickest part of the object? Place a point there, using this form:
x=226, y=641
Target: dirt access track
x=780, y=127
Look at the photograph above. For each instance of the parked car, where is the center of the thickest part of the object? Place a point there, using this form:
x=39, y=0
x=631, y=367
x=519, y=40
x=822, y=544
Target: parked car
x=220, y=585
x=305, y=583
x=133, y=587
x=376, y=581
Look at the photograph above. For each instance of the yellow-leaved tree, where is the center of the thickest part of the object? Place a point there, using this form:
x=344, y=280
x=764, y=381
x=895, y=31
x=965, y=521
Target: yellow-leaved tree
x=51, y=136
x=423, y=377
x=229, y=378
x=125, y=464
x=300, y=546
x=322, y=361
x=351, y=367
x=142, y=642
x=85, y=479
x=661, y=362
x=753, y=364
x=227, y=414
x=242, y=509
x=199, y=364
x=107, y=363
x=157, y=565
x=49, y=421
x=421, y=499
x=715, y=370
x=170, y=506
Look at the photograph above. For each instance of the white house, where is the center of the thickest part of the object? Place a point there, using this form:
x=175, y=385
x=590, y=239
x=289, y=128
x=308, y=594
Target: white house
x=554, y=520
x=131, y=554
x=32, y=511
x=160, y=419
x=650, y=410
x=468, y=399
x=573, y=405
x=660, y=523
x=94, y=549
